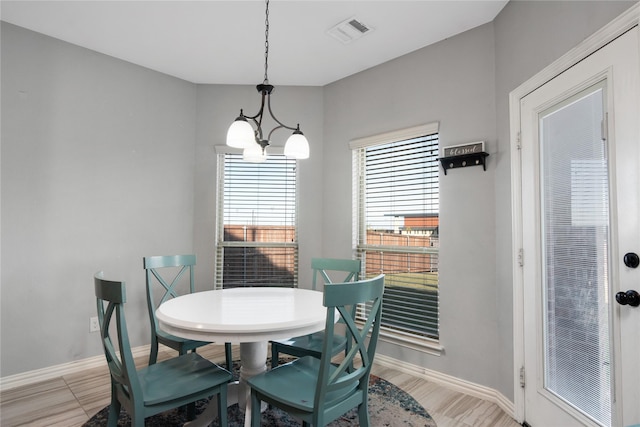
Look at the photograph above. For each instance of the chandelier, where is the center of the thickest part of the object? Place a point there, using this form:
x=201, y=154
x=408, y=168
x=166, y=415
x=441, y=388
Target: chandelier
x=250, y=137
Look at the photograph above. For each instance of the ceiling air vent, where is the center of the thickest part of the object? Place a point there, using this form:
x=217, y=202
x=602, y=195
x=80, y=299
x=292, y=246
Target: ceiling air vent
x=349, y=30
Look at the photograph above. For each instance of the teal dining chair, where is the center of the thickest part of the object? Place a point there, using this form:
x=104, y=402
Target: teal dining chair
x=156, y=388
x=315, y=390
x=311, y=344
x=182, y=266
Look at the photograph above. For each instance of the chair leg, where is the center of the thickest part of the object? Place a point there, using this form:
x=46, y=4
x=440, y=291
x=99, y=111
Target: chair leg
x=222, y=405
x=363, y=413
x=137, y=421
x=255, y=410
x=191, y=411
x=137, y=417
x=114, y=410
x=153, y=356
x=228, y=356
x=274, y=355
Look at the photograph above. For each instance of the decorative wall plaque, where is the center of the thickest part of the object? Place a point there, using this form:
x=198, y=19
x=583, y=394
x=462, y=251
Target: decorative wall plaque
x=460, y=150
x=456, y=156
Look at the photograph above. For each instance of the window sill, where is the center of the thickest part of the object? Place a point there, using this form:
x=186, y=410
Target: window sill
x=426, y=345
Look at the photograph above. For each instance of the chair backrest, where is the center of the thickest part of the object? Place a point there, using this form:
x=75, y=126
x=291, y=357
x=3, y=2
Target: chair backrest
x=346, y=381
x=168, y=287
x=110, y=299
x=323, y=266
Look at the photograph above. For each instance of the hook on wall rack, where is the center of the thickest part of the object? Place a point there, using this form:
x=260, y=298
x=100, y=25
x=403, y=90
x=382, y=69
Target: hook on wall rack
x=464, y=160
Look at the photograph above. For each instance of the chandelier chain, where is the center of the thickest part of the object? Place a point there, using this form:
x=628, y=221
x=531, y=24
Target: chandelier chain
x=246, y=131
x=266, y=43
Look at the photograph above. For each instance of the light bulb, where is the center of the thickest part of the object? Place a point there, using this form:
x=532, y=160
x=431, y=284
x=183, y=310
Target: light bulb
x=297, y=146
x=254, y=154
x=240, y=133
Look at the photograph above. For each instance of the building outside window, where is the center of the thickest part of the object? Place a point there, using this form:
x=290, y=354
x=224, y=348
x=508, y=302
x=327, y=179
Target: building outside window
x=396, y=228
x=256, y=242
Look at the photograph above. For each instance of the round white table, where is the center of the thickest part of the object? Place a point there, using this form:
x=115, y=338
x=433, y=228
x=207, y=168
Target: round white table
x=248, y=316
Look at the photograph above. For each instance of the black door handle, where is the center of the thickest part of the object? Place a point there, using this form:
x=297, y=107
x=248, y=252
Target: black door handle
x=630, y=297
x=631, y=260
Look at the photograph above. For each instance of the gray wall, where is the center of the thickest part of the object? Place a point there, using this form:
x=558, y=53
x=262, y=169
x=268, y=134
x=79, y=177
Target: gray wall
x=98, y=149
x=104, y=162
x=451, y=82
x=97, y=161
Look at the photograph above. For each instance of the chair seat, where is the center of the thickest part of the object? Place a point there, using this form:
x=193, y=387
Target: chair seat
x=312, y=343
x=189, y=373
x=294, y=384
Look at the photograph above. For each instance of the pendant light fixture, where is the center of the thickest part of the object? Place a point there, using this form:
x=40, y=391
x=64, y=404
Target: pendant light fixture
x=242, y=134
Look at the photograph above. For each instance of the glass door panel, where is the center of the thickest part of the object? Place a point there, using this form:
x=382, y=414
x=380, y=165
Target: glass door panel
x=575, y=253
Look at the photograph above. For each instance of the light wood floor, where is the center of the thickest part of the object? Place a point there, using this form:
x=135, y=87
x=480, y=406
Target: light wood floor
x=72, y=399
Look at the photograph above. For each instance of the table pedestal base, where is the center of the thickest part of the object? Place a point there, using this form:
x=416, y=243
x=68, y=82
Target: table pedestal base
x=253, y=361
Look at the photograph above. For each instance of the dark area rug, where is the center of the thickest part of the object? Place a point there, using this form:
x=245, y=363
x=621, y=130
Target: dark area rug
x=389, y=406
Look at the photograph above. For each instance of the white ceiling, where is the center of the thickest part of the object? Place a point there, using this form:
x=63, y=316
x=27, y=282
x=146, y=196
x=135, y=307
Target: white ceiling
x=223, y=41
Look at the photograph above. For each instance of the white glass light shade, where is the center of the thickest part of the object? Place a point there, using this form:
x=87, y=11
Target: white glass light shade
x=240, y=134
x=297, y=146
x=254, y=154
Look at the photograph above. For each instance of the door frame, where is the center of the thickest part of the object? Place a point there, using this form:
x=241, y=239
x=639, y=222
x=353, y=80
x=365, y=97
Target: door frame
x=602, y=37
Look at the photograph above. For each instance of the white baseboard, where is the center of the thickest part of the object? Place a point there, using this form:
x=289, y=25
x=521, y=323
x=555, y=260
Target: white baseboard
x=51, y=372
x=448, y=381
x=457, y=384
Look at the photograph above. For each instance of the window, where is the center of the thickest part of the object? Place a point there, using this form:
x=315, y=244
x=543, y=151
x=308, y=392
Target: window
x=396, y=220
x=256, y=231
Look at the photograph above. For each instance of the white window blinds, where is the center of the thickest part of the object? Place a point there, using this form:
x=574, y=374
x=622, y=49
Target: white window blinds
x=257, y=218
x=397, y=219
